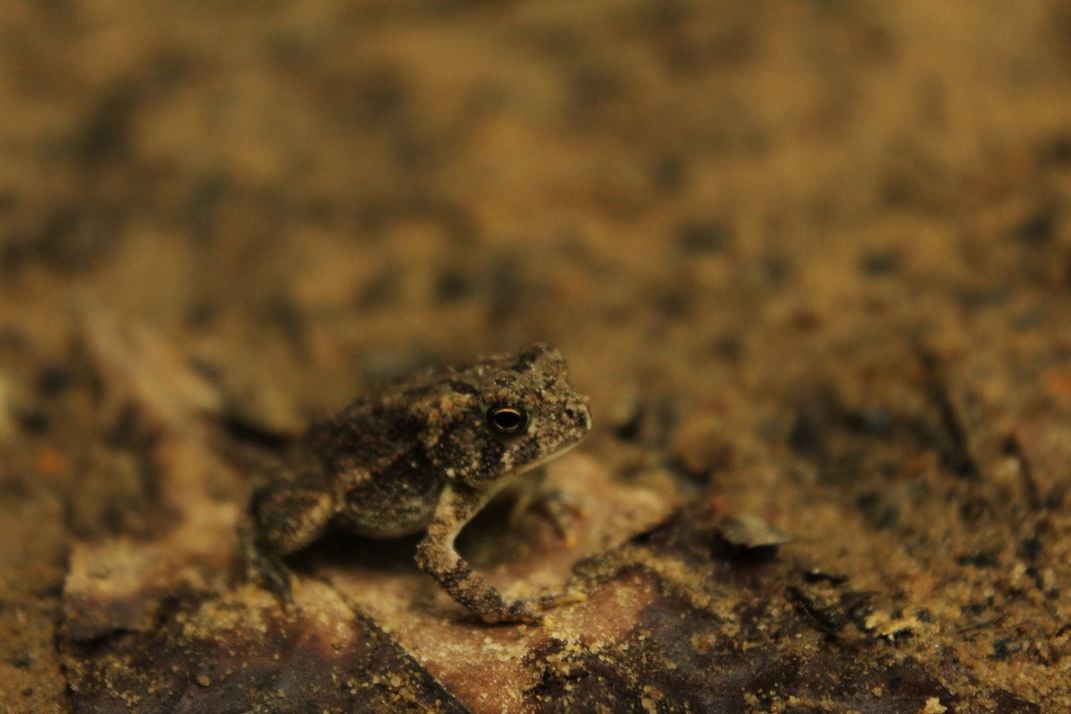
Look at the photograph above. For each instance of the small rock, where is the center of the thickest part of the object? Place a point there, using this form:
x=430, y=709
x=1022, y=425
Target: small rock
x=751, y=532
x=934, y=706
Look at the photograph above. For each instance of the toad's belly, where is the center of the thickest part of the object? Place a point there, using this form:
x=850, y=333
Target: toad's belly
x=399, y=503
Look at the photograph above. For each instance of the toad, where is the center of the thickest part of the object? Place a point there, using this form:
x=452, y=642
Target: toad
x=423, y=456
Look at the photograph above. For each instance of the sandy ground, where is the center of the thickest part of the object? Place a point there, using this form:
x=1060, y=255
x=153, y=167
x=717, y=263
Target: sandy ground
x=810, y=260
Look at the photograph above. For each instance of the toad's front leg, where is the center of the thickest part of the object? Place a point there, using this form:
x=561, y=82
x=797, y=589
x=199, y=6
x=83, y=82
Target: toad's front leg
x=437, y=556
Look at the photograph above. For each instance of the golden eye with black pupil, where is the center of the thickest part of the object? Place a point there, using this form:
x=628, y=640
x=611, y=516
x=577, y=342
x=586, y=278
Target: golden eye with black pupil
x=506, y=420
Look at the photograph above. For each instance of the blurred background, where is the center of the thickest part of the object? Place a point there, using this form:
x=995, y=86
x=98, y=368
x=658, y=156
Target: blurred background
x=746, y=225
x=312, y=194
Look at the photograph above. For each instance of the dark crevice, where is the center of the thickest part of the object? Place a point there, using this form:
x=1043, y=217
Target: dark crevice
x=955, y=449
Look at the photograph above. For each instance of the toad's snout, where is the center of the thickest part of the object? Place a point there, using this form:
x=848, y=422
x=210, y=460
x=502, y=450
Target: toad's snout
x=578, y=411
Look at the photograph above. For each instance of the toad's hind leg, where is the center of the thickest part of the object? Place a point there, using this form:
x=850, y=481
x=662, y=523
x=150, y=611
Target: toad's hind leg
x=437, y=556
x=282, y=519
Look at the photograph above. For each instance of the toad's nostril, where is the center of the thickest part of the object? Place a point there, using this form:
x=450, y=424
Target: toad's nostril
x=583, y=418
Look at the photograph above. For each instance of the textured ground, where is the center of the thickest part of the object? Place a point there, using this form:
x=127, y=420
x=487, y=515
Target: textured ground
x=810, y=260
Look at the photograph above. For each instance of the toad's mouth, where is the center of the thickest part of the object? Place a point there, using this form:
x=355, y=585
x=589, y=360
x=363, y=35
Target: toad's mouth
x=509, y=475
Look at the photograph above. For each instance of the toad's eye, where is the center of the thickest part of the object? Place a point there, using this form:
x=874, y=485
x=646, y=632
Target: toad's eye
x=508, y=421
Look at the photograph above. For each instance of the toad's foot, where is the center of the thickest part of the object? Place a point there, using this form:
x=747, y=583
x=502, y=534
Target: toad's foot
x=533, y=610
x=263, y=566
x=569, y=597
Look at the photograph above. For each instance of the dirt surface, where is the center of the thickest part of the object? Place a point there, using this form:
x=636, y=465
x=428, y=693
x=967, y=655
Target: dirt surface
x=810, y=260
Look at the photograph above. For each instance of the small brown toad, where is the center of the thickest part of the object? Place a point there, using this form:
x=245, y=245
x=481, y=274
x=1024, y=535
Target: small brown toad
x=425, y=455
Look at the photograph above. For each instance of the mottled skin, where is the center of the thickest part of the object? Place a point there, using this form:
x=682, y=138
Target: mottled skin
x=425, y=455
